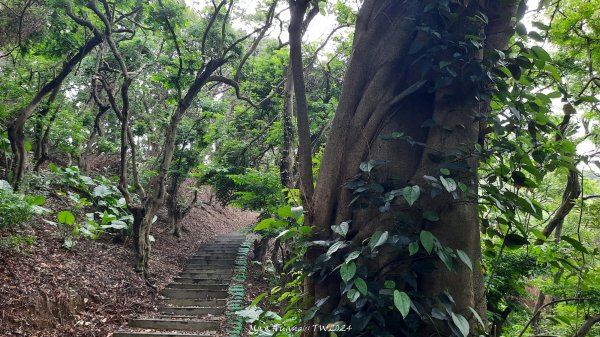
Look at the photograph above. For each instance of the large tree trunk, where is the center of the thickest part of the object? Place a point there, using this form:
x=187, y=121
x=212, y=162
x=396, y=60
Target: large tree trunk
x=384, y=92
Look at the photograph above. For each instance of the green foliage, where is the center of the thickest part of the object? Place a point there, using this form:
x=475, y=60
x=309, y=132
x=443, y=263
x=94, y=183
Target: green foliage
x=111, y=213
x=16, y=208
x=253, y=189
x=17, y=242
x=258, y=191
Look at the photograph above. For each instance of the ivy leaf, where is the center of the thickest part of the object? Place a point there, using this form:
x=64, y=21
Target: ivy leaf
x=427, y=240
x=367, y=166
x=353, y=295
x=461, y=323
x=389, y=284
x=335, y=247
x=402, y=302
x=352, y=256
x=449, y=184
x=347, y=271
x=341, y=229
x=361, y=285
x=378, y=239
x=413, y=248
x=464, y=258
x=411, y=194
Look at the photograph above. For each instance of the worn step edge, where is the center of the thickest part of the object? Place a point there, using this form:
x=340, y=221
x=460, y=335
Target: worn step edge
x=193, y=294
x=157, y=334
x=192, y=310
x=193, y=302
x=213, y=286
x=199, y=280
x=174, y=324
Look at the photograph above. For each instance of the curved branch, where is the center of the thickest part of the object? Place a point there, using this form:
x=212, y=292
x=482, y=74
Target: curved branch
x=177, y=48
x=252, y=49
x=587, y=326
x=535, y=314
x=211, y=22
x=234, y=85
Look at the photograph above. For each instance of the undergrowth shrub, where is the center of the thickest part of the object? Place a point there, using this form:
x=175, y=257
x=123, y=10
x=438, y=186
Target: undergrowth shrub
x=17, y=242
x=16, y=208
x=110, y=214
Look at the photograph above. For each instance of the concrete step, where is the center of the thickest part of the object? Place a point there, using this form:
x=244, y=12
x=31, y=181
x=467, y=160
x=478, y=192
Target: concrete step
x=190, y=285
x=229, y=262
x=208, y=267
x=201, y=273
x=194, y=293
x=174, y=324
x=207, y=271
x=219, y=256
x=192, y=311
x=214, y=262
x=157, y=334
x=215, y=268
x=217, y=251
x=200, y=280
x=217, y=278
x=211, y=263
x=214, y=257
x=180, y=302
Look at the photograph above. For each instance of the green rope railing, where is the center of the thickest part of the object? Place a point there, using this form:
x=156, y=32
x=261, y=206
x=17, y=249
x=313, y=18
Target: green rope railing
x=235, y=323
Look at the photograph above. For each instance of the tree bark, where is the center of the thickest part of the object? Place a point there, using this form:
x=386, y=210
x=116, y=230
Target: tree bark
x=286, y=163
x=297, y=11
x=156, y=190
x=384, y=93
x=175, y=211
x=16, y=133
x=587, y=326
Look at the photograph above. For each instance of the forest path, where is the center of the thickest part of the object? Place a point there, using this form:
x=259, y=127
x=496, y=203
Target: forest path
x=195, y=303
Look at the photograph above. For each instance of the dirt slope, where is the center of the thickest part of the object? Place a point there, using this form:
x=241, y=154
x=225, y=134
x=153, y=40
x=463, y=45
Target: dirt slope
x=48, y=291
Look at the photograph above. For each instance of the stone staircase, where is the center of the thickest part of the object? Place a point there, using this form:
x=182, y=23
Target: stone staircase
x=195, y=304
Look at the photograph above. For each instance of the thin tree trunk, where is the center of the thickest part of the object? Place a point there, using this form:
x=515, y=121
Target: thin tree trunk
x=156, y=190
x=298, y=10
x=16, y=134
x=43, y=153
x=286, y=163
